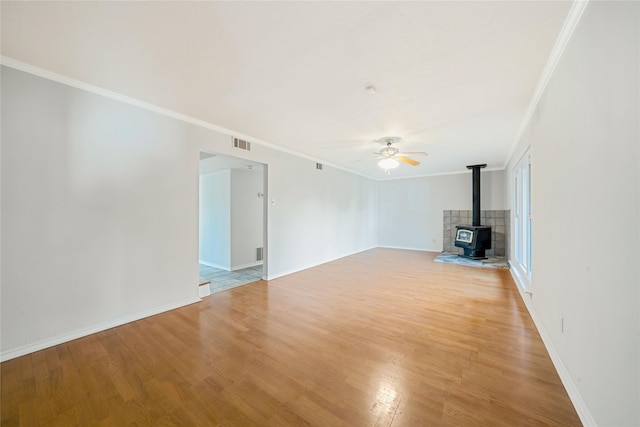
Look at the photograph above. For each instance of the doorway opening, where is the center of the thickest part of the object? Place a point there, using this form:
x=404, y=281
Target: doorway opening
x=232, y=222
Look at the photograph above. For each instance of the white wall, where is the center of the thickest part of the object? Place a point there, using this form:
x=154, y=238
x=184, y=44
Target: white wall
x=313, y=216
x=319, y=215
x=215, y=219
x=99, y=219
x=231, y=217
x=410, y=210
x=100, y=211
x=584, y=139
x=246, y=217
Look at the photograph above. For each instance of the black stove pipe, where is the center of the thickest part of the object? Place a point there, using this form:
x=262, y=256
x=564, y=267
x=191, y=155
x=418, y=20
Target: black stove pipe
x=475, y=171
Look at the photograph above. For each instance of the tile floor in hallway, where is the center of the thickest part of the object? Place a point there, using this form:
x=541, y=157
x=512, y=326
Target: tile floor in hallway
x=222, y=279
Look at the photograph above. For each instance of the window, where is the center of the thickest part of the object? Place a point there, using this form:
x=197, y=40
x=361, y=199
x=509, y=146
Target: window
x=522, y=220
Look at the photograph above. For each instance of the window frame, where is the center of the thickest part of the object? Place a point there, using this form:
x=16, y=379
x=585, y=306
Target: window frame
x=522, y=221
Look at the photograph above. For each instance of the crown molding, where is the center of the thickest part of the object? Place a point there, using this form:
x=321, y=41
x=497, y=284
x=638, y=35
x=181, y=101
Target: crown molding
x=429, y=175
x=59, y=78
x=569, y=26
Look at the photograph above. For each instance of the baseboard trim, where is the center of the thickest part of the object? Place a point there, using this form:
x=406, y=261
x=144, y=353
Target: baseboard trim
x=210, y=264
x=572, y=390
x=296, y=270
x=410, y=249
x=70, y=336
x=251, y=264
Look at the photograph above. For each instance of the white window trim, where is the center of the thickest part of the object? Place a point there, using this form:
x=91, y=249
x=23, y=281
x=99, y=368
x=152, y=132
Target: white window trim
x=522, y=221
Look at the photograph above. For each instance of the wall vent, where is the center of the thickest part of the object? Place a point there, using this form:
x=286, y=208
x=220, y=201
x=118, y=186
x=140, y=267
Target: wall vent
x=319, y=166
x=241, y=144
x=259, y=254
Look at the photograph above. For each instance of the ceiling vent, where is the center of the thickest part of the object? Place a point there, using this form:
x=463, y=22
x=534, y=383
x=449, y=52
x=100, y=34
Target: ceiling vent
x=241, y=144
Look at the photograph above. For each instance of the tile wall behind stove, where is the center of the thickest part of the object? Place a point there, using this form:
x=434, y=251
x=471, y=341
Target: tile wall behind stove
x=499, y=221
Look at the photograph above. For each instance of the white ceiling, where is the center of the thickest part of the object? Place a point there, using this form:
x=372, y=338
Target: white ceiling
x=454, y=79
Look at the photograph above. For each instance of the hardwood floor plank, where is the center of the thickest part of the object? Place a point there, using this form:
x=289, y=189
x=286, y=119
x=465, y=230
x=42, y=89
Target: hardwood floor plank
x=381, y=338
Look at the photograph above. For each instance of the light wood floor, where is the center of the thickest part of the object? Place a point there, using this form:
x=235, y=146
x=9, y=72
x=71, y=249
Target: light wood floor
x=382, y=338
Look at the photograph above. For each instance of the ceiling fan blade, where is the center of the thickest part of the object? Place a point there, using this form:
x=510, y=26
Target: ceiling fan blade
x=407, y=161
x=413, y=153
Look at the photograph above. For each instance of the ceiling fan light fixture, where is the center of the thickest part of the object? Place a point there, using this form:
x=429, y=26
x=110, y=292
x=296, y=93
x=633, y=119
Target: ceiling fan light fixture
x=389, y=151
x=388, y=163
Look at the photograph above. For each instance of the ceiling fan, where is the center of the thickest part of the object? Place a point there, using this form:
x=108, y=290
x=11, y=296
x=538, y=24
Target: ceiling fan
x=391, y=157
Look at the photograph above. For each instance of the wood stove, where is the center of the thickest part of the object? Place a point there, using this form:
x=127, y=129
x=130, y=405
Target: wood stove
x=474, y=239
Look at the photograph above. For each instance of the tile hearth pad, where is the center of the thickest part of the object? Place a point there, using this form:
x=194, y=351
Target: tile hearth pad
x=490, y=262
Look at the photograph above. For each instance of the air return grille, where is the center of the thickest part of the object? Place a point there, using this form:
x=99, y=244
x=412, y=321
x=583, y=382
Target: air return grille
x=241, y=144
x=259, y=254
